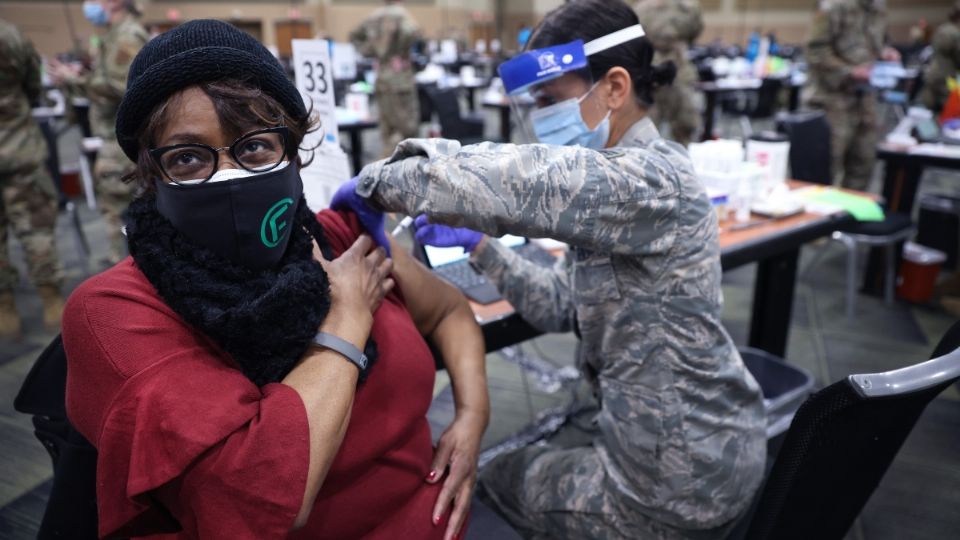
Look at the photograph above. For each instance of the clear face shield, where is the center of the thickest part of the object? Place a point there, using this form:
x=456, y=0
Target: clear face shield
x=553, y=95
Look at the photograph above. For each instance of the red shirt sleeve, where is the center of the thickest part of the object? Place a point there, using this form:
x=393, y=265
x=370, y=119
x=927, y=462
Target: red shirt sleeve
x=172, y=420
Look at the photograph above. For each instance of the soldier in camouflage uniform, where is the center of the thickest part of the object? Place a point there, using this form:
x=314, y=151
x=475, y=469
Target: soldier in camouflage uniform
x=945, y=63
x=846, y=39
x=28, y=201
x=676, y=446
x=104, y=85
x=672, y=25
x=388, y=35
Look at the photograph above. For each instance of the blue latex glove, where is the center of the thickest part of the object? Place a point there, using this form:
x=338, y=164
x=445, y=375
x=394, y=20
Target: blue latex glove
x=433, y=234
x=372, y=220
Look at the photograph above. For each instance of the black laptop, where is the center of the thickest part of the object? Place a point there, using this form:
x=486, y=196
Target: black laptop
x=452, y=265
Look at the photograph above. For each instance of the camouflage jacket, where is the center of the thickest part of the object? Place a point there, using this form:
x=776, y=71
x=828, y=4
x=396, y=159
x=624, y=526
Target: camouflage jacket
x=107, y=82
x=845, y=34
x=388, y=35
x=21, y=142
x=944, y=64
x=671, y=26
x=682, y=420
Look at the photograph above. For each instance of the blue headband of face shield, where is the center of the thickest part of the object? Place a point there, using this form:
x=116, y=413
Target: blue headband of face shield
x=562, y=123
x=538, y=66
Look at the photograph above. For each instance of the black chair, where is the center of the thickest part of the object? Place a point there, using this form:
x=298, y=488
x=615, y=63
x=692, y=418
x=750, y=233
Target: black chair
x=888, y=235
x=767, y=98
x=453, y=125
x=71, y=510
x=423, y=98
x=809, y=135
x=841, y=442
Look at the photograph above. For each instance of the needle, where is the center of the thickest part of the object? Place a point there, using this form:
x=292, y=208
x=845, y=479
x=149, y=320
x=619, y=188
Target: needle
x=404, y=224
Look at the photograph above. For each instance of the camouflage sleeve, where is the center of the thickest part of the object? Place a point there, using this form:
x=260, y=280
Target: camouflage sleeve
x=412, y=34
x=656, y=25
x=690, y=25
x=945, y=41
x=32, y=83
x=541, y=295
x=608, y=201
x=821, y=56
x=360, y=38
x=935, y=92
x=113, y=83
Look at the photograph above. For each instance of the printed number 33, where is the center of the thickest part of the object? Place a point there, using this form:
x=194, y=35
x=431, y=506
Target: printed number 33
x=319, y=83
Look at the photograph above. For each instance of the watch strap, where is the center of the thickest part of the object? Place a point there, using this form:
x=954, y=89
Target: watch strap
x=343, y=347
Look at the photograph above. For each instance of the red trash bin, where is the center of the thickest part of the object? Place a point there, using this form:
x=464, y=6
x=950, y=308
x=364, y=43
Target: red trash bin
x=918, y=273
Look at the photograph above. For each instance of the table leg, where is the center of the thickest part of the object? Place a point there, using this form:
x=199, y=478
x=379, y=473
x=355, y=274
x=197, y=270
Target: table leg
x=711, y=107
x=901, y=180
x=53, y=157
x=773, y=302
x=794, y=98
x=356, y=150
x=471, y=105
x=505, y=124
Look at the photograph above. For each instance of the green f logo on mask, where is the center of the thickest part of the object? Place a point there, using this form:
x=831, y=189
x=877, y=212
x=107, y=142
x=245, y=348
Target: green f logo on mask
x=273, y=227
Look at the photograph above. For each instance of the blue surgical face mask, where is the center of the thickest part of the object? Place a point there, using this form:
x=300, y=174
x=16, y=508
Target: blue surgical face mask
x=562, y=124
x=95, y=13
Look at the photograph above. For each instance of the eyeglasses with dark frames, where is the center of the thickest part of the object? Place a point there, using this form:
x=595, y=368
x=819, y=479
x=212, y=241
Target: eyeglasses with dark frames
x=192, y=163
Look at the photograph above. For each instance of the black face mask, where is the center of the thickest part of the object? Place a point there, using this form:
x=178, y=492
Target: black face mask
x=247, y=220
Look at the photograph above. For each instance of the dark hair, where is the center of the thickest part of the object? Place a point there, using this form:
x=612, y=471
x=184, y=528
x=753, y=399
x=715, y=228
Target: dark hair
x=591, y=19
x=241, y=107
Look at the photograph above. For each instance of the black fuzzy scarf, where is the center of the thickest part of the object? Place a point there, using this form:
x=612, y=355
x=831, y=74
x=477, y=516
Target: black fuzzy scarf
x=264, y=319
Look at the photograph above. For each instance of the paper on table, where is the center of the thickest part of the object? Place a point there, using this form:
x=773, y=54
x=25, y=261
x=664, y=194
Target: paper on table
x=824, y=198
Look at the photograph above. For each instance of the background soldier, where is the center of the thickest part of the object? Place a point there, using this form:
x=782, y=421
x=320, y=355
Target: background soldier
x=388, y=35
x=105, y=85
x=945, y=62
x=847, y=38
x=27, y=195
x=672, y=25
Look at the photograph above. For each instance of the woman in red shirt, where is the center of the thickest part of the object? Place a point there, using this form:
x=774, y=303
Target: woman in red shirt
x=254, y=370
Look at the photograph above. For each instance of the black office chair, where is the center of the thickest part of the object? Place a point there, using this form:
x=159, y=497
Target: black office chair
x=809, y=135
x=71, y=510
x=453, y=125
x=423, y=98
x=841, y=442
x=768, y=97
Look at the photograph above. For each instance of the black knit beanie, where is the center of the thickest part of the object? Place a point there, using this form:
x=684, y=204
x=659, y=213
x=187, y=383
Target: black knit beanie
x=196, y=52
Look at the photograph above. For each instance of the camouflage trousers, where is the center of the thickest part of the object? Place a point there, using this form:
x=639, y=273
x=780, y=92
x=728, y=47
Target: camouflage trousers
x=399, y=117
x=853, y=138
x=28, y=205
x=113, y=197
x=558, y=489
x=676, y=105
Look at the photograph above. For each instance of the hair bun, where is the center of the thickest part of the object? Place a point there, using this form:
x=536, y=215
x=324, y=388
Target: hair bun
x=663, y=74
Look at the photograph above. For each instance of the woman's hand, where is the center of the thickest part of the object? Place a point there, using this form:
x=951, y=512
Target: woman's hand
x=359, y=279
x=458, y=448
x=346, y=198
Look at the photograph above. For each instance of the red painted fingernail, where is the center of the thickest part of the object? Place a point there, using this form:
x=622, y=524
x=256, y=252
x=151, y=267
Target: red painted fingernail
x=436, y=520
x=431, y=476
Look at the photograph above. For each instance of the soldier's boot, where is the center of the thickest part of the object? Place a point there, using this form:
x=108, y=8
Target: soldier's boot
x=52, y=306
x=9, y=318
